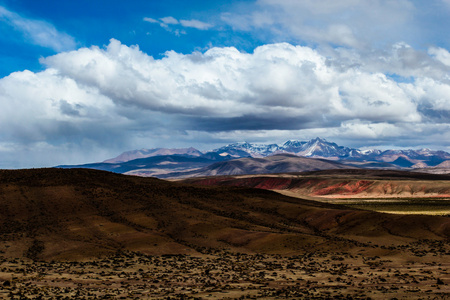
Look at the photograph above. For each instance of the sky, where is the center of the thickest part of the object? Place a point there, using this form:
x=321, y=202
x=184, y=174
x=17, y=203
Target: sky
x=82, y=81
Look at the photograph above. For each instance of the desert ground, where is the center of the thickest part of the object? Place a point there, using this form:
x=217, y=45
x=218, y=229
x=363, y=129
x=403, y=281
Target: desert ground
x=408, y=273
x=86, y=234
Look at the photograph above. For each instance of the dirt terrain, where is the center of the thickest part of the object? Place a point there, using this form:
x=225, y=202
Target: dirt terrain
x=93, y=234
x=368, y=274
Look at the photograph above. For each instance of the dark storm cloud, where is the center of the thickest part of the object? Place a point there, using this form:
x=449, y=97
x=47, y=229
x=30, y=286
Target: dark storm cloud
x=252, y=122
x=434, y=115
x=69, y=109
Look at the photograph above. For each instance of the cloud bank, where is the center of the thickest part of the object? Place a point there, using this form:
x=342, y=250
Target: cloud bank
x=118, y=97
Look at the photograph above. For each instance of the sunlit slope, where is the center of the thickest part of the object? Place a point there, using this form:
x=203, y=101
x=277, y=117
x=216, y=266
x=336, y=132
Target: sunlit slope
x=343, y=183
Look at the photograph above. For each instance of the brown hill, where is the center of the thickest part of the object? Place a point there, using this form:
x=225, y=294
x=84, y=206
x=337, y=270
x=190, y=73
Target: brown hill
x=445, y=164
x=442, y=168
x=79, y=213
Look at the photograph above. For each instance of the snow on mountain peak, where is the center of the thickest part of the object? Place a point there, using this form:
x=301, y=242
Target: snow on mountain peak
x=317, y=147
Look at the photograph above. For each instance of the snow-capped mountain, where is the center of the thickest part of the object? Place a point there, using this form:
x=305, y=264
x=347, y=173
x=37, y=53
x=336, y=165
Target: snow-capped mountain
x=321, y=148
x=317, y=147
x=293, y=146
x=244, y=149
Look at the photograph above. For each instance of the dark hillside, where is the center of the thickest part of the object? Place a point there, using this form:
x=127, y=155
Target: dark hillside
x=79, y=213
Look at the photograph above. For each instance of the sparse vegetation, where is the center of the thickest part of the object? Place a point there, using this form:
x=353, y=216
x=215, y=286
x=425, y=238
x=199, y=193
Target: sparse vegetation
x=226, y=275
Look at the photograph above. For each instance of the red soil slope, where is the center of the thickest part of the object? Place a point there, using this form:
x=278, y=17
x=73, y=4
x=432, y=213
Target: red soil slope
x=345, y=186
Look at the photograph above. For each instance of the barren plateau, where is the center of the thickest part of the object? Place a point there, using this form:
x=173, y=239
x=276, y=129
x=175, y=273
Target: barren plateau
x=90, y=234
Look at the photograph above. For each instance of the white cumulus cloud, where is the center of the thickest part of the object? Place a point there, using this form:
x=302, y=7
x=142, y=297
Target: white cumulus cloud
x=441, y=55
x=118, y=97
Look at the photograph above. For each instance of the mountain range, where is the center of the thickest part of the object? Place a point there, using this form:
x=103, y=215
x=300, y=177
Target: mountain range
x=280, y=163
x=230, y=159
x=315, y=148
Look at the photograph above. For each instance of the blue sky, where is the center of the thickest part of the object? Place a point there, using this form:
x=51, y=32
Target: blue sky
x=82, y=81
x=96, y=22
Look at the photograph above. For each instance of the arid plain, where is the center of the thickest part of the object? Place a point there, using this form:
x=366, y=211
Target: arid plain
x=90, y=234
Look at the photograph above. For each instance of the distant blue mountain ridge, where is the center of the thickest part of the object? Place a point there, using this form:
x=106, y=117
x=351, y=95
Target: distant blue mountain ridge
x=163, y=162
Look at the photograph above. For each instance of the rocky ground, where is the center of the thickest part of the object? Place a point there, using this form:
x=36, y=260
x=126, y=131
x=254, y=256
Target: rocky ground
x=407, y=273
